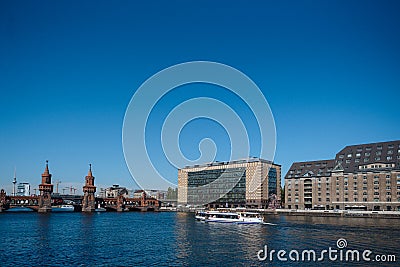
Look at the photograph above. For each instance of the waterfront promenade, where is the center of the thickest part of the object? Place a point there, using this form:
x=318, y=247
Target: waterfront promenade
x=318, y=213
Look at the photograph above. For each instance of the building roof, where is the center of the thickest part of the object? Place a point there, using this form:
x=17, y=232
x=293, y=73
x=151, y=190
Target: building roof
x=218, y=163
x=351, y=157
x=310, y=169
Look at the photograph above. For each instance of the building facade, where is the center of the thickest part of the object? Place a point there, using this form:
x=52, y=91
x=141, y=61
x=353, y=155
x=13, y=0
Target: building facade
x=242, y=183
x=114, y=191
x=361, y=177
x=24, y=189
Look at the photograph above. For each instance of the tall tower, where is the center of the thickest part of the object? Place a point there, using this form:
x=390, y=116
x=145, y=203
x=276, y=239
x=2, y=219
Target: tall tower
x=14, y=182
x=89, y=204
x=45, y=188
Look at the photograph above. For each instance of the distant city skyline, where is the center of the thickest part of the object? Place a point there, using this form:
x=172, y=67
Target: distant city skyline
x=330, y=72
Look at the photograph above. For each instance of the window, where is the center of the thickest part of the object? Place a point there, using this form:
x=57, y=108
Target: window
x=379, y=147
x=390, y=146
x=358, y=155
x=390, y=152
x=349, y=155
x=348, y=161
x=388, y=188
x=389, y=157
x=328, y=199
x=367, y=154
x=376, y=193
x=387, y=181
x=377, y=158
x=368, y=148
x=355, y=199
x=378, y=153
x=365, y=199
x=364, y=193
x=341, y=156
x=366, y=159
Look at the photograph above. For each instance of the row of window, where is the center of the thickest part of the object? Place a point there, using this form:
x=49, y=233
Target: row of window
x=346, y=199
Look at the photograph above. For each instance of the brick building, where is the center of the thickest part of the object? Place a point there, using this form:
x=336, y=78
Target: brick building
x=361, y=177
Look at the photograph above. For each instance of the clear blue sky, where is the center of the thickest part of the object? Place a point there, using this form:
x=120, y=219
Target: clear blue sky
x=330, y=71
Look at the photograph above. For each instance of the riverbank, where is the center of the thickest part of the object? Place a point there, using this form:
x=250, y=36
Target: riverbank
x=334, y=213
x=319, y=213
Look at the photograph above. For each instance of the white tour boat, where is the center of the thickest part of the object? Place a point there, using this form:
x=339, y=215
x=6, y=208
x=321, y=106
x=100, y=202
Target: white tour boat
x=63, y=208
x=229, y=217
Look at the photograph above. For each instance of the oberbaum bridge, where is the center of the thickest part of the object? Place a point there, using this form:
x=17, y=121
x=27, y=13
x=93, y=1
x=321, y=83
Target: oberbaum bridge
x=43, y=202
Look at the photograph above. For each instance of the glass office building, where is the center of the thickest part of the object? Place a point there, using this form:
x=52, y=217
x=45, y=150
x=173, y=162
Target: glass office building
x=242, y=183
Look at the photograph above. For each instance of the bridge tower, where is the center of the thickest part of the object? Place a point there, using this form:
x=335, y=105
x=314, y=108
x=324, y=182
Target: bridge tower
x=2, y=199
x=45, y=188
x=89, y=203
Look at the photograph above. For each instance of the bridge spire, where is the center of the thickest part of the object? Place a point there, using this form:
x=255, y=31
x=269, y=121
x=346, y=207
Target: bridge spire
x=90, y=170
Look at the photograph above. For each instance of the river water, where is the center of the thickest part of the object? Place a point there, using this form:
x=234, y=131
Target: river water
x=176, y=239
